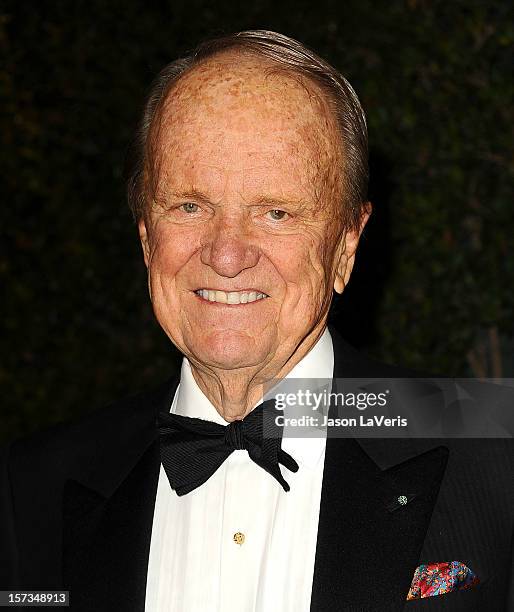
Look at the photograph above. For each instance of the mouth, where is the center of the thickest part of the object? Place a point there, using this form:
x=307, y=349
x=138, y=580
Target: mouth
x=231, y=297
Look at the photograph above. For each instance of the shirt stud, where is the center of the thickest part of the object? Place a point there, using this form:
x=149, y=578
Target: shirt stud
x=239, y=538
x=402, y=500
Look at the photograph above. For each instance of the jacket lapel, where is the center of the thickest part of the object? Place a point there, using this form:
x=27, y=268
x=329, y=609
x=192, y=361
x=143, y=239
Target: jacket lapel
x=368, y=541
x=108, y=512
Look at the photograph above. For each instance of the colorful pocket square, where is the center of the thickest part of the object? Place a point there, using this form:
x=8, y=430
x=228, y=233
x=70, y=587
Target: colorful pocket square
x=432, y=579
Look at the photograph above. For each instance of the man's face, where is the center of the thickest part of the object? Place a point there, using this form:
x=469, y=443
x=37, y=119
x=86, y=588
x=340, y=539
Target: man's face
x=243, y=241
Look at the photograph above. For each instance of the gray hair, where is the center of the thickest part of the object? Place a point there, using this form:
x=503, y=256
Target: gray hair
x=296, y=59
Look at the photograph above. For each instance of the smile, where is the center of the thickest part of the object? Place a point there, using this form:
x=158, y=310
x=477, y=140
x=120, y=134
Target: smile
x=230, y=297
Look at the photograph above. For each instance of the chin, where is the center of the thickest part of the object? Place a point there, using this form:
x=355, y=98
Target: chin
x=229, y=349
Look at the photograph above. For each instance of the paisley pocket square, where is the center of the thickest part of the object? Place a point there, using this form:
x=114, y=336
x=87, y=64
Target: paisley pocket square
x=432, y=579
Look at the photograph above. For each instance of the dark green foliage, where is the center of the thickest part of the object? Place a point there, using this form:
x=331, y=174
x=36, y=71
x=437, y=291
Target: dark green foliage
x=433, y=285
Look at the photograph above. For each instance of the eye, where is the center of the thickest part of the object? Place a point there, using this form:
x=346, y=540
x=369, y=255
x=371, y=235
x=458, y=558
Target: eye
x=190, y=207
x=277, y=214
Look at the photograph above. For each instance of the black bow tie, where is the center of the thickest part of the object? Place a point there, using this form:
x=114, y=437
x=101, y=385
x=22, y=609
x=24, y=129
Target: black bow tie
x=193, y=449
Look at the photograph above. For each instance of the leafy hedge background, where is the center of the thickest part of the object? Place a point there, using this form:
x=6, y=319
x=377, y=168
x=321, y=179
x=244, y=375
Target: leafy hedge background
x=433, y=285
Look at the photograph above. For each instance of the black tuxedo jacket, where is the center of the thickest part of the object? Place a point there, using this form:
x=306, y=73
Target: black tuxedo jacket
x=77, y=503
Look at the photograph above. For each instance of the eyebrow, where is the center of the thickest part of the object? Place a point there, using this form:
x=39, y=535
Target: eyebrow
x=194, y=194
x=278, y=202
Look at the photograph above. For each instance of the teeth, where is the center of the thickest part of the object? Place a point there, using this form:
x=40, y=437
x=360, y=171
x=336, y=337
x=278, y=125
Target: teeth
x=221, y=296
x=231, y=297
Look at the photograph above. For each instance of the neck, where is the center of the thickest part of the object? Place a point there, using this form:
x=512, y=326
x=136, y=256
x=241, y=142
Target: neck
x=234, y=393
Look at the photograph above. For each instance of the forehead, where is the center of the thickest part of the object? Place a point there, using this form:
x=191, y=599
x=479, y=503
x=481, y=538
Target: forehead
x=239, y=114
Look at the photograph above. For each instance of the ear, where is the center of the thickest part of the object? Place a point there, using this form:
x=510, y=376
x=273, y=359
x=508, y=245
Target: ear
x=143, y=236
x=347, y=248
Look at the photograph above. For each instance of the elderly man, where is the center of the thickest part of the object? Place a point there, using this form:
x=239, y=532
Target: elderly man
x=248, y=180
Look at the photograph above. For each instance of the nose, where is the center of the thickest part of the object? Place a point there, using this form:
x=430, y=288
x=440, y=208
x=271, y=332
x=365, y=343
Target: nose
x=228, y=249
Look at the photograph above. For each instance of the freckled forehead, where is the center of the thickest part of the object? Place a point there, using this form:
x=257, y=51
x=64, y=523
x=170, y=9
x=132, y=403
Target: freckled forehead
x=239, y=101
x=239, y=126
x=232, y=84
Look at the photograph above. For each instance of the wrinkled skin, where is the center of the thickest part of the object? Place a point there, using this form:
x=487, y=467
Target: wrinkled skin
x=244, y=194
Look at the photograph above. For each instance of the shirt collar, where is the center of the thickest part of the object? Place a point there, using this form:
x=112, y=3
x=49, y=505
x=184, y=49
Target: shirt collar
x=318, y=363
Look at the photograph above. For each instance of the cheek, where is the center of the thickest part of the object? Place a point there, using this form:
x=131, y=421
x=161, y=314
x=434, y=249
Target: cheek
x=302, y=265
x=170, y=250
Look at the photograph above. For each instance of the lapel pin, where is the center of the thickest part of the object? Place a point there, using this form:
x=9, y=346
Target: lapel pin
x=398, y=501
